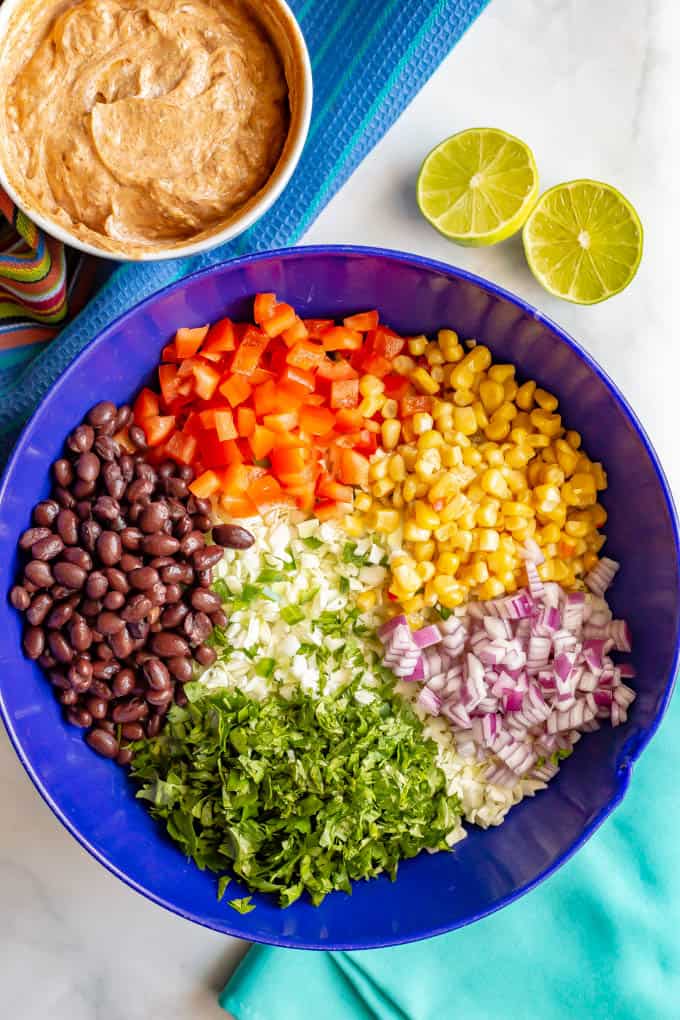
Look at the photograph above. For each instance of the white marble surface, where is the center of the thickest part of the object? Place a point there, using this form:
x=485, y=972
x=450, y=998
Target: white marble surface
x=588, y=83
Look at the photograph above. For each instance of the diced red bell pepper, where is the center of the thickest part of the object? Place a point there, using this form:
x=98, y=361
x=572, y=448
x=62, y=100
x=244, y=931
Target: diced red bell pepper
x=181, y=447
x=263, y=307
x=335, y=370
x=328, y=488
x=282, y=319
x=245, y=421
x=265, y=399
x=290, y=461
x=248, y=353
x=221, y=338
x=414, y=403
x=298, y=380
x=349, y=419
x=158, y=428
x=284, y=421
x=353, y=468
x=205, y=485
x=188, y=341
x=396, y=386
x=375, y=364
x=329, y=511
x=264, y=492
x=237, y=506
x=236, y=389
x=385, y=342
x=224, y=425
x=169, y=354
x=362, y=321
x=315, y=327
x=317, y=421
x=206, y=379
x=298, y=331
x=303, y=494
x=340, y=338
x=261, y=441
x=306, y=355
x=146, y=405
x=168, y=380
x=344, y=393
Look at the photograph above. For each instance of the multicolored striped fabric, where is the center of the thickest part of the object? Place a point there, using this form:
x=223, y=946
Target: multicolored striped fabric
x=37, y=282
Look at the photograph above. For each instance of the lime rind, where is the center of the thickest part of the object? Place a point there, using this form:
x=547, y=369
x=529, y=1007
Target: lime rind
x=557, y=259
x=497, y=205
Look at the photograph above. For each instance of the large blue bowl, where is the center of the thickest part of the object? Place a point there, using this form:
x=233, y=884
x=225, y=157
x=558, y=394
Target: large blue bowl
x=433, y=894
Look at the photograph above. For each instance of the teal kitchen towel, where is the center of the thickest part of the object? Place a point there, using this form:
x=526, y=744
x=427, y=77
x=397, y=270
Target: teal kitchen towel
x=599, y=940
x=369, y=58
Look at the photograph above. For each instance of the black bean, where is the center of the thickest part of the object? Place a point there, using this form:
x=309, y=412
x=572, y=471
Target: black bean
x=177, y=487
x=117, y=580
x=34, y=642
x=232, y=536
x=186, y=472
x=80, y=557
x=97, y=707
x=83, y=509
x=181, y=668
x=141, y=488
x=160, y=697
x=156, y=674
x=88, y=467
x=205, y=655
x=114, y=601
x=81, y=439
x=153, y=726
x=103, y=743
x=128, y=562
x=68, y=697
x=59, y=646
x=91, y=607
x=106, y=448
x=153, y=517
x=39, y=608
x=79, y=717
x=20, y=598
x=197, y=627
x=64, y=498
x=122, y=643
x=83, y=488
x=202, y=522
x=204, y=577
x=70, y=575
x=60, y=615
x=123, y=684
x=63, y=472
x=132, y=538
x=219, y=618
x=108, y=726
x=192, y=542
x=172, y=572
x=127, y=467
x=160, y=545
x=39, y=574
x=89, y=533
x=102, y=413
x=114, y=481
x=144, y=578
x=45, y=513
x=158, y=562
x=80, y=675
x=67, y=526
x=204, y=559
x=137, y=608
x=132, y=731
x=130, y=710
x=123, y=417
x=198, y=506
x=106, y=508
x=169, y=645
x=173, y=593
x=59, y=680
x=158, y=593
x=109, y=623
x=182, y=526
x=137, y=436
x=139, y=630
x=104, y=669
x=59, y=593
x=124, y=756
x=205, y=601
x=97, y=585
x=109, y=548
x=33, y=535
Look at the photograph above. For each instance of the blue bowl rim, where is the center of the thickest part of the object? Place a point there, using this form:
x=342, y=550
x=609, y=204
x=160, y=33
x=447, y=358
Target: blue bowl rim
x=627, y=760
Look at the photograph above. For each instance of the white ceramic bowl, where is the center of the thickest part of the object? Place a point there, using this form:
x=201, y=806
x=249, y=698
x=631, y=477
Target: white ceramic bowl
x=287, y=36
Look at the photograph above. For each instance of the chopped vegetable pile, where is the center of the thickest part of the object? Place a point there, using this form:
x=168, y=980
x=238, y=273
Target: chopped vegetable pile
x=297, y=795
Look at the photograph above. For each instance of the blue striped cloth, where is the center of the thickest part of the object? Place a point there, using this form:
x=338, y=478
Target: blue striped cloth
x=369, y=59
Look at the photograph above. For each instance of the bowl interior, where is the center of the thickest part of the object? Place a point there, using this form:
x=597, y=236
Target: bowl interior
x=433, y=893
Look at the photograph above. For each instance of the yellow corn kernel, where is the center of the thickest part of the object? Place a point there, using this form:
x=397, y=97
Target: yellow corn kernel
x=566, y=457
x=378, y=469
x=577, y=529
x=509, y=389
x=354, y=525
x=546, y=497
x=514, y=509
x=446, y=532
x=480, y=358
x=407, y=577
x=518, y=457
x=476, y=573
x=417, y=345
x=600, y=476
x=441, y=407
x=463, y=398
x=486, y=514
x=425, y=516
x=545, y=400
x=480, y=414
x=500, y=562
x=548, y=455
x=515, y=524
x=464, y=420
x=362, y=502
x=423, y=550
x=491, y=395
x=447, y=563
x=449, y=345
x=438, y=373
x=491, y=589
x=475, y=492
x=414, y=605
x=425, y=570
x=574, y=439
x=547, y=424
x=427, y=464
x=370, y=385
x=412, y=533
x=497, y=429
x=548, y=534
x=538, y=441
x=445, y=423
x=467, y=520
x=403, y=365
x=396, y=468
x=423, y=381
x=448, y=591
x=390, y=431
x=558, y=515
x=461, y=377
x=409, y=489
x=599, y=515
x=366, y=600
x=488, y=540
x=471, y=457
x=461, y=540
x=386, y=521
x=390, y=409
x=422, y=422
x=501, y=373
x=506, y=412
x=494, y=484
x=430, y=440
x=457, y=438
x=397, y=497
x=410, y=455
x=371, y=405
x=451, y=456
x=524, y=398
x=551, y=474
x=382, y=488
x=444, y=488
x=434, y=356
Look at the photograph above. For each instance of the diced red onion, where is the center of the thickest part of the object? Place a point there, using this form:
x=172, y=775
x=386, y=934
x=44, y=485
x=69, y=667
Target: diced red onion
x=602, y=575
x=428, y=700
x=418, y=672
x=387, y=628
x=426, y=636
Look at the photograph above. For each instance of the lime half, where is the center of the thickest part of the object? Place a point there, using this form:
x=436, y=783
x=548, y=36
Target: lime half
x=583, y=241
x=478, y=187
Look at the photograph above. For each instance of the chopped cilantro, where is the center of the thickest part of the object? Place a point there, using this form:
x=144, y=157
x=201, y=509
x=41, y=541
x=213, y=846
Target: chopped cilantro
x=312, y=542
x=271, y=576
x=244, y=906
x=292, y=614
x=265, y=667
x=222, y=886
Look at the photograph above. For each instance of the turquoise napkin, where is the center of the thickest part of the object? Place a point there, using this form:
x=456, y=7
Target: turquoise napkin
x=600, y=939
